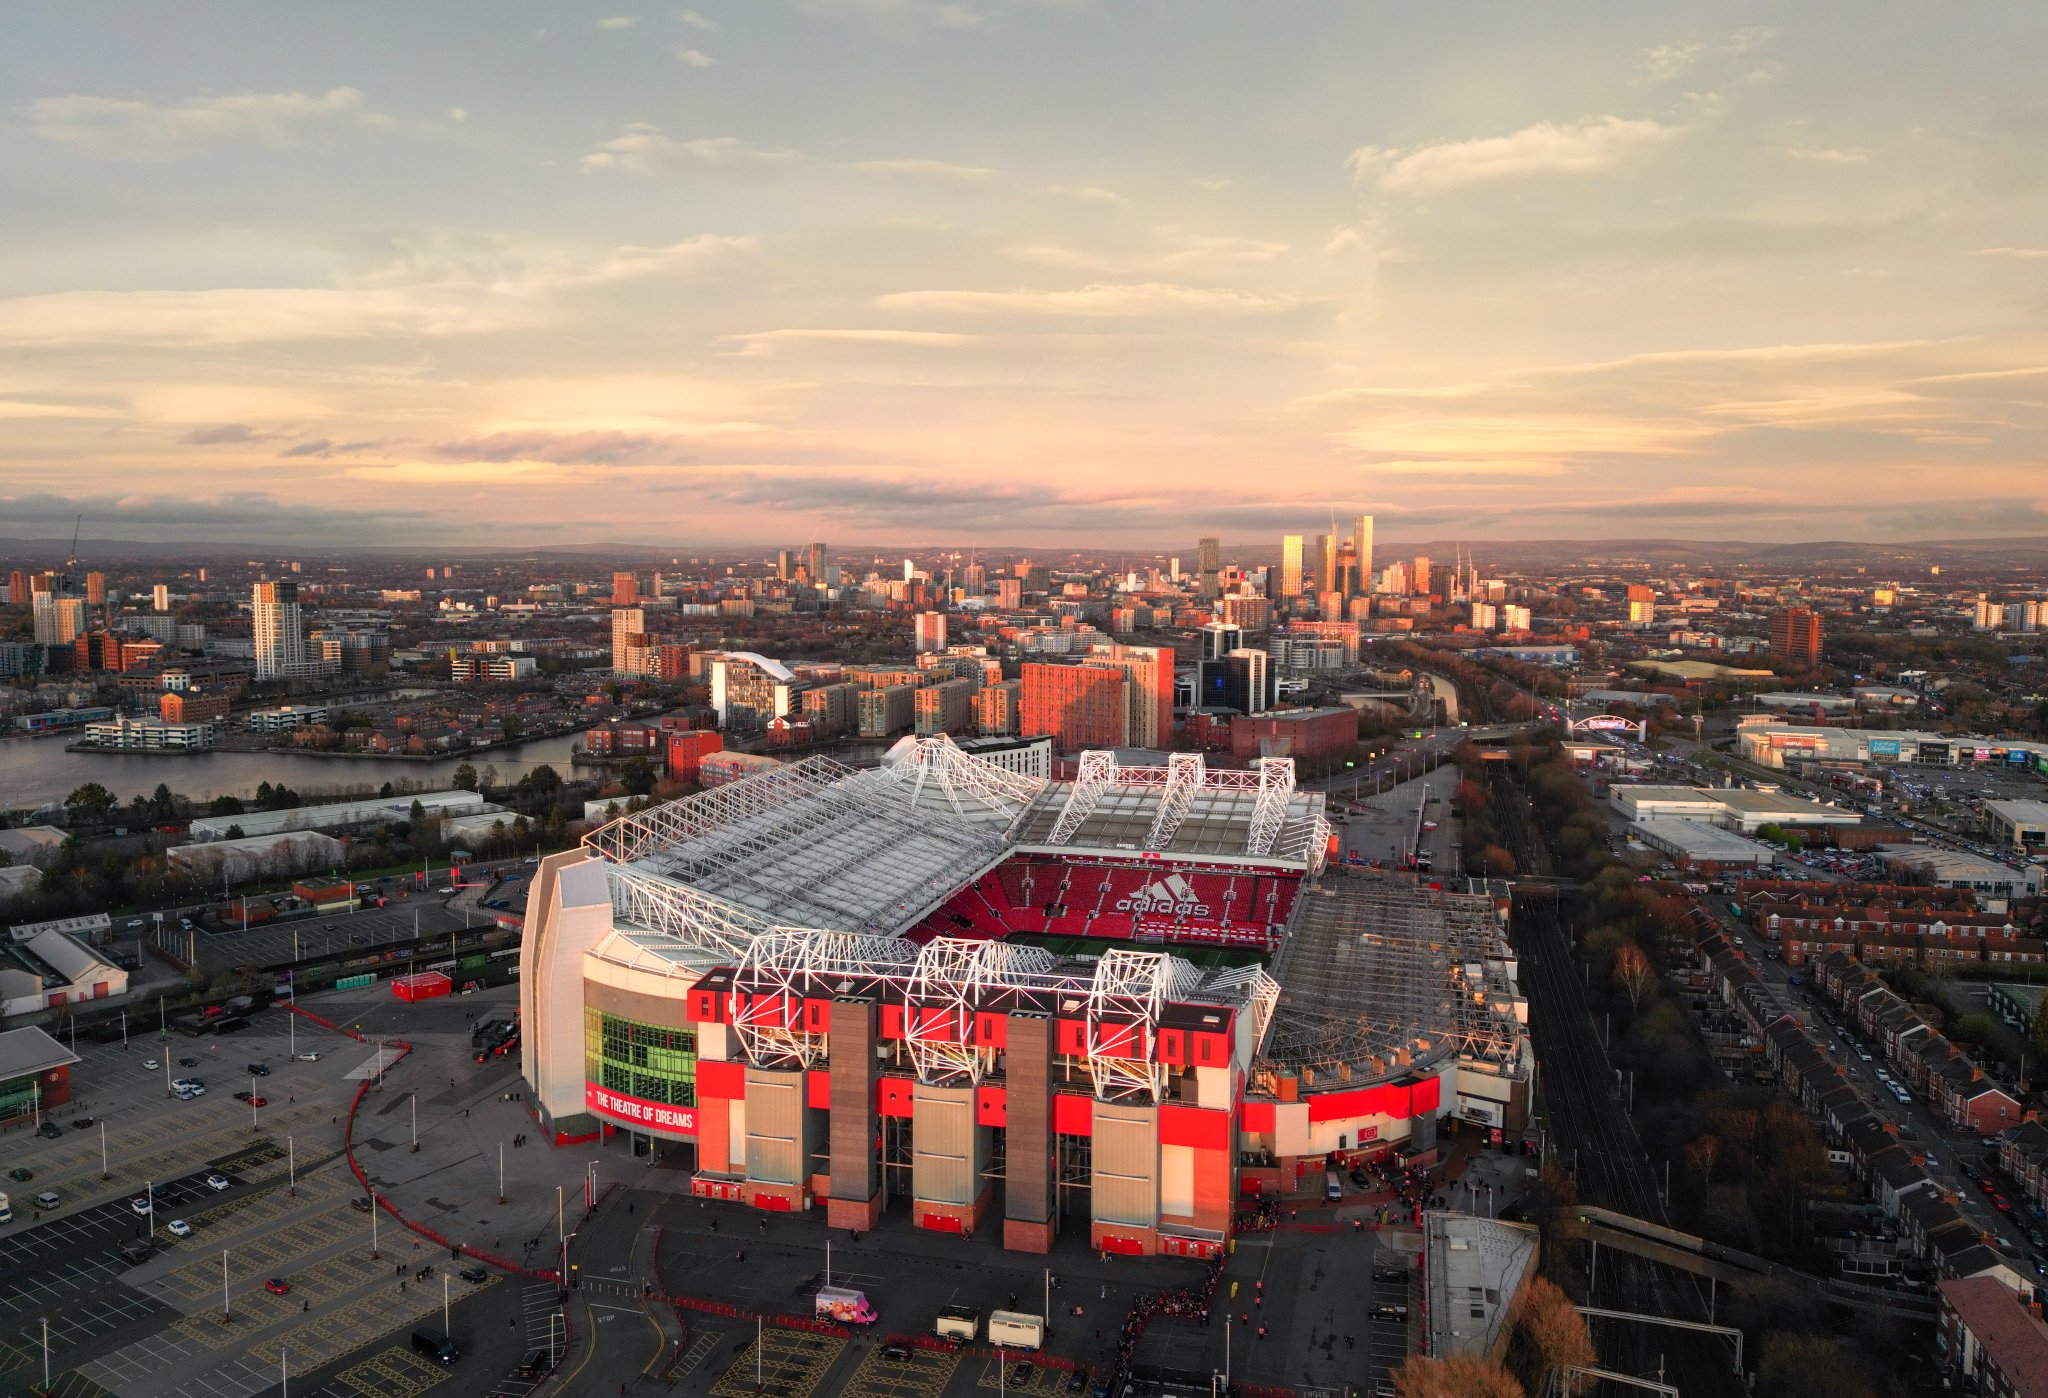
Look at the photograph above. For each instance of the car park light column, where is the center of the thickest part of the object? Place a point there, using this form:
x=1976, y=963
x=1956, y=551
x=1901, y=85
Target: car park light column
x=225, y=1313
x=291, y=1173
x=104, y=1173
x=373, y=1223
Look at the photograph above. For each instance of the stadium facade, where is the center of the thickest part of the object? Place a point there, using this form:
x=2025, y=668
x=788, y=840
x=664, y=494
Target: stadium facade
x=945, y=985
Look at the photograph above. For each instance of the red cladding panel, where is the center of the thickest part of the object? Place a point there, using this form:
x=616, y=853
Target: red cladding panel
x=1386, y=1099
x=892, y=1021
x=817, y=1016
x=1193, y=1126
x=1073, y=1115
x=992, y=1031
x=818, y=1090
x=723, y=1080
x=1173, y=1047
x=1426, y=1097
x=1256, y=1116
x=937, y=1022
x=702, y=1007
x=1119, y=1041
x=991, y=1106
x=1211, y=1050
x=893, y=1096
x=1073, y=1038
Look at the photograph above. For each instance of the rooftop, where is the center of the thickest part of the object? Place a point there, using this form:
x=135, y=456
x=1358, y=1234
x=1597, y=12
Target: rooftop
x=2012, y=1337
x=25, y=1051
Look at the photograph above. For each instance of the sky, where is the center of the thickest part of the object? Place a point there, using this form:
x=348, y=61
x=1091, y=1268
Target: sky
x=1112, y=273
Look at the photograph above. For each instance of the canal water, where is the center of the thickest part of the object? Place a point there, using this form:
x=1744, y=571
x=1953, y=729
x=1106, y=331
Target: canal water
x=37, y=771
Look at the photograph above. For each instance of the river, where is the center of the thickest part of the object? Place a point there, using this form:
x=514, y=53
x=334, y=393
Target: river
x=37, y=771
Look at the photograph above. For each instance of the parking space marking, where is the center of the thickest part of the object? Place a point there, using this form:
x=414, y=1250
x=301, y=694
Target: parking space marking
x=923, y=1373
x=74, y=1384
x=1040, y=1380
x=791, y=1364
x=702, y=1344
x=391, y=1373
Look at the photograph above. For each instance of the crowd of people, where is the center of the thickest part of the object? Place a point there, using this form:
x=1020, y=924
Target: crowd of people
x=1182, y=1303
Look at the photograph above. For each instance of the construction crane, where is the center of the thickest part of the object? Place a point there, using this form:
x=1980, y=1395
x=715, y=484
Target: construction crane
x=72, y=562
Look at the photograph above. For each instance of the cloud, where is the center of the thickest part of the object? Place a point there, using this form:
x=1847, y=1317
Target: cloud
x=1091, y=302
x=2012, y=252
x=926, y=169
x=227, y=434
x=1084, y=193
x=766, y=342
x=457, y=114
x=1467, y=468
x=619, y=22
x=644, y=149
x=322, y=447
x=1592, y=145
x=564, y=448
x=1180, y=253
x=694, y=58
x=123, y=127
x=233, y=517
x=1663, y=62
x=1828, y=155
x=697, y=21
x=230, y=316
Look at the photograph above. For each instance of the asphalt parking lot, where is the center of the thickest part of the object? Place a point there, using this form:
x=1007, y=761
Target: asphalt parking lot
x=155, y=1329
x=421, y=918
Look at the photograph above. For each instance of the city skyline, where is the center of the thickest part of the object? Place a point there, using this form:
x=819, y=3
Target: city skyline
x=1068, y=272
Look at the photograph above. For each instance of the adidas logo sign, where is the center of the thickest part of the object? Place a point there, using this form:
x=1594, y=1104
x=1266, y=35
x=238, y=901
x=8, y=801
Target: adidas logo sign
x=1172, y=895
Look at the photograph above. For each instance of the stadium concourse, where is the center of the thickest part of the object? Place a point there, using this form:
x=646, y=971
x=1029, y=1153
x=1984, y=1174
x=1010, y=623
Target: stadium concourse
x=1121, y=1003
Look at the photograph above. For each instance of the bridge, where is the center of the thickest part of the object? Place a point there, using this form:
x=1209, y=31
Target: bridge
x=1687, y=1252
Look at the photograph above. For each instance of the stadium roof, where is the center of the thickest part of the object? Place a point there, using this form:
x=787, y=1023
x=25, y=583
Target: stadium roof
x=1184, y=807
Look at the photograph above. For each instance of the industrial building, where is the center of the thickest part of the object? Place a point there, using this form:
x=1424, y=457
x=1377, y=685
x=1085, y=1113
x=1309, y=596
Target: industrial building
x=35, y=1071
x=1732, y=808
x=42, y=967
x=341, y=815
x=1776, y=745
x=948, y=987
x=254, y=856
x=2021, y=824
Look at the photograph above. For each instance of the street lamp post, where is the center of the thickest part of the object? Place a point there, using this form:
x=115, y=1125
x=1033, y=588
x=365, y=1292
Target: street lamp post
x=501, y=1172
x=291, y=1170
x=373, y=1223
x=226, y=1314
x=46, y=1354
x=104, y=1172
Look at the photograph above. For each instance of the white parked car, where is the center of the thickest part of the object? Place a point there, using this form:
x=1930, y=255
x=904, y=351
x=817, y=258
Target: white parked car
x=309, y=1058
x=141, y=1205
x=151, y=1063
x=179, y=1228
x=218, y=1182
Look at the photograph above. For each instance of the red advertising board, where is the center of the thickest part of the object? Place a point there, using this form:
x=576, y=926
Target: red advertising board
x=638, y=1111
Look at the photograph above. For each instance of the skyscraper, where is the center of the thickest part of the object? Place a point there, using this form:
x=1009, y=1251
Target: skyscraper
x=1361, y=548
x=1209, y=551
x=629, y=640
x=279, y=631
x=818, y=563
x=160, y=597
x=96, y=589
x=1326, y=562
x=1795, y=635
x=1290, y=565
x=625, y=589
x=931, y=631
x=785, y=562
x=1418, y=575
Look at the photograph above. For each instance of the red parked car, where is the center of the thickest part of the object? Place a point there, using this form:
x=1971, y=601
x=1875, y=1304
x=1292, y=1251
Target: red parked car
x=277, y=1286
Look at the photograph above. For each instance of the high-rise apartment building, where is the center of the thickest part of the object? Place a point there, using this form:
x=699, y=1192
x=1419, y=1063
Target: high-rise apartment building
x=58, y=620
x=95, y=589
x=752, y=691
x=818, y=563
x=629, y=634
x=931, y=632
x=998, y=708
x=1290, y=565
x=945, y=707
x=17, y=587
x=625, y=589
x=1361, y=552
x=1515, y=618
x=279, y=631
x=1148, y=691
x=1418, y=575
x=1326, y=562
x=1209, y=555
x=160, y=597
x=785, y=564
x=1795, y=635
x=1077, y=706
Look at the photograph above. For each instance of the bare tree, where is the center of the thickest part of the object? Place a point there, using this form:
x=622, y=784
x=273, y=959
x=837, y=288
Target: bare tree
x=1633, y=973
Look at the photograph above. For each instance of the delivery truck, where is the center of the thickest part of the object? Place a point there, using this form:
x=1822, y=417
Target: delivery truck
x=1016, y=1329
x=845, y=1305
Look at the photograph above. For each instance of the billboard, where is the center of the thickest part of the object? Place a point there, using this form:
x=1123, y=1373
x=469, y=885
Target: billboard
x=1884, y=747
x=638, y=1111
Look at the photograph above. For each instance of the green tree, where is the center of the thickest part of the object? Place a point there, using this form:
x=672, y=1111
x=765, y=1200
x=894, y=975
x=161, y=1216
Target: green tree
x=541, y=781
x=90, y=804
x=419, y=810
x=234, y=832
x=225, y=805
x=465, y=777
x=162, y=803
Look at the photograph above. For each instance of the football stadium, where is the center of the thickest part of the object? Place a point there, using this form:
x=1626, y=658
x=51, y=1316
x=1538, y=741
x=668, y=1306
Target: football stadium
x=1123, y=1003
